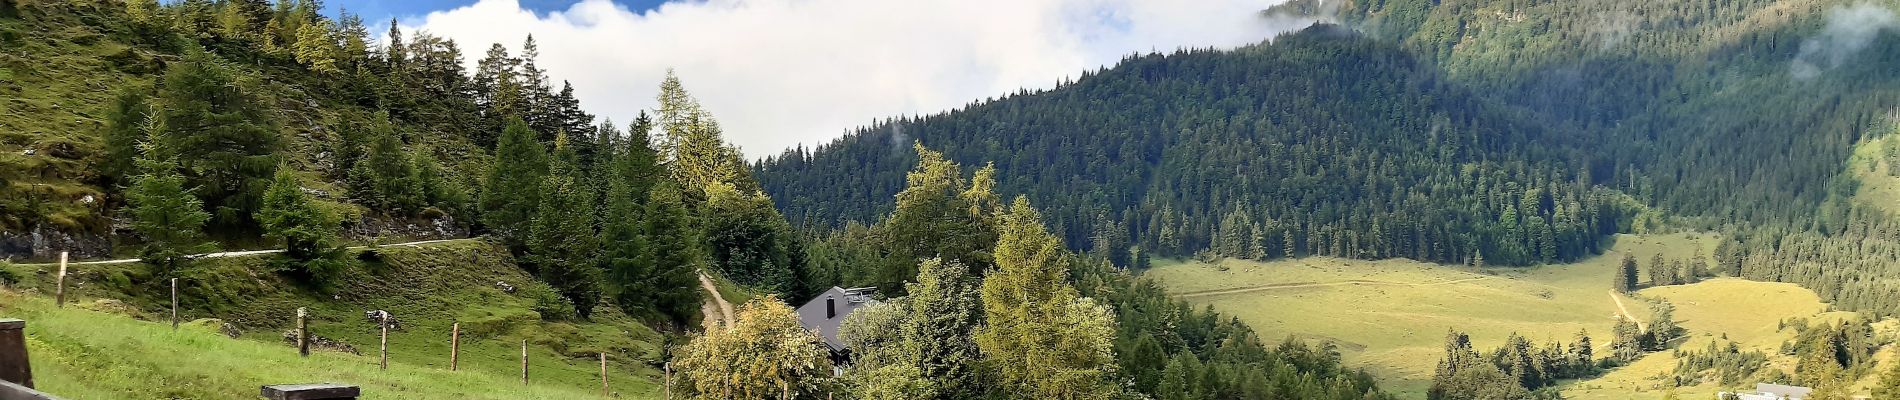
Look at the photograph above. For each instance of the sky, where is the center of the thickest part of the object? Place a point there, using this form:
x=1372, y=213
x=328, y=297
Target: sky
x=780, y=73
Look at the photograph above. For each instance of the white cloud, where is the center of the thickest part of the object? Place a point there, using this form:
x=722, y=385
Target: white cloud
x=782, y=72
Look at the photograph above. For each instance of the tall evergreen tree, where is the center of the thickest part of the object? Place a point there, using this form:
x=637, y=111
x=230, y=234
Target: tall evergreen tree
x=944, y=315
x=1026, y=301
x=385, y=179
x=560, y=242
x=512, y=190
x=163, y=211
x=308, y=233
x=224, y=136
x=127, y=119
x=1626, y=274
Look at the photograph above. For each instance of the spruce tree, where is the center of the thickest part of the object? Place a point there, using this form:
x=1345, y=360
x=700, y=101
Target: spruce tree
x=308, y=233
x=163, y=211
x=560, y=239
x=127, y=120
x=1626, y=274
x=944, y=315
x=223, y=135
x=512, y=190
x=385, y=178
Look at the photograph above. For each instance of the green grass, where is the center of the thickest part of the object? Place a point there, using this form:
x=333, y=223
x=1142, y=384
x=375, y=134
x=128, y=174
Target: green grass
x=82, y=354
x=1390, y=316
x=428, y=288
x=1746, y=312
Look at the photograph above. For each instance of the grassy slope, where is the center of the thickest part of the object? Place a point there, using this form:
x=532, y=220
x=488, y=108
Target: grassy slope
x=1746, y=312
x=1390, y=316
x=428, y=288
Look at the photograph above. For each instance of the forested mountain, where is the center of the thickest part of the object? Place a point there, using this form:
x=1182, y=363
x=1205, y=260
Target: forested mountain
x=1322, y=143
x=1502, y=132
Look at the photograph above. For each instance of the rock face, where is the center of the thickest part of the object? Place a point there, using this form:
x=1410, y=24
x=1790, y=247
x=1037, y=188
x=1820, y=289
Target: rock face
x=45, y=244
x=440, y=227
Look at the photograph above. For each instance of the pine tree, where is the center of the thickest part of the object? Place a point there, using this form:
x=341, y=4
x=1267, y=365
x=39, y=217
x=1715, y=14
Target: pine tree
x=162, y=210
x=944, y=315
x=1659, y=272
x=1662, y=325
x=1027, y=296
x=746, y=238
x=385, y=178
x=1626, y=274
x=308, y=233
x=512, y=190
x=127, y=119
x=223, y=135
x=1628, y=342
x=560, y=242
x=649, y=250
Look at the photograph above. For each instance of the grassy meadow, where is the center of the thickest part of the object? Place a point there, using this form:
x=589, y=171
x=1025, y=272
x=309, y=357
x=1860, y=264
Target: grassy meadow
x=1391, y=316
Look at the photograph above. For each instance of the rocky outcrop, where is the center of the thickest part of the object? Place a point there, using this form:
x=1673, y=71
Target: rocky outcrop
x=45, y=244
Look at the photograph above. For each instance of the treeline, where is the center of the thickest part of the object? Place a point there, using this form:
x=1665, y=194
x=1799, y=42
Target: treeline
x=1320, y=143
x=1673, y=272
x=1517, y=370
x=1523, y=370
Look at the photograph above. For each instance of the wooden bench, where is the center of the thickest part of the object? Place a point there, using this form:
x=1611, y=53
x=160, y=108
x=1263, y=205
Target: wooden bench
x=312, y=391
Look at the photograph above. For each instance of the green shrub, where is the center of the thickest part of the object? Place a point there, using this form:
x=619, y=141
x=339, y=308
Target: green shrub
x=8, y=276
x=551, y=305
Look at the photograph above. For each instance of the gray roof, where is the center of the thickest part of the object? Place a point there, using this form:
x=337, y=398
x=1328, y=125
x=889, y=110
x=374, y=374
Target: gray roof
x=812, y=314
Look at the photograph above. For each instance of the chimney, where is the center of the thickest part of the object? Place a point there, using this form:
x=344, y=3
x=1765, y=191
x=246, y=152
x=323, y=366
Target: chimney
x=831, y=307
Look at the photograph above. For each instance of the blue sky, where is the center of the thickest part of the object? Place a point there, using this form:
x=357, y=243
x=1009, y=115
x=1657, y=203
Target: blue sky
x=382, y=10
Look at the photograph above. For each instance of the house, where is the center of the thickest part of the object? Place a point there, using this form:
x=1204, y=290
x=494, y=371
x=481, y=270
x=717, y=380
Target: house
x=825, y=312
x=1769, y=391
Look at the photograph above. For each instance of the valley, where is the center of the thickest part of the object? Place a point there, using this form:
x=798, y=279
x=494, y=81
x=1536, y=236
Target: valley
x=1390, y=316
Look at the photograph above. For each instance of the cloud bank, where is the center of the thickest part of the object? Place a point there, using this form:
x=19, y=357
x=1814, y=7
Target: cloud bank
x=778, y=73
x=1849, y=30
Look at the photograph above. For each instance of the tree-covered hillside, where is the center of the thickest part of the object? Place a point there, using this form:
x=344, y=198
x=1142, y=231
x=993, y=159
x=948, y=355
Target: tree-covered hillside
x=1445, y=131
x=1323, y=142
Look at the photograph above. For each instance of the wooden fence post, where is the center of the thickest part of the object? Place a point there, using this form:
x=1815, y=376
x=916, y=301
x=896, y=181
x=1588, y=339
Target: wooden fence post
x=603, y=376
x=524, y=362
x=174, y=304
x=455, y=345
x=668, y=367
x=14, y=365
x=385, y=345
x=303, y=333
x=59, y=290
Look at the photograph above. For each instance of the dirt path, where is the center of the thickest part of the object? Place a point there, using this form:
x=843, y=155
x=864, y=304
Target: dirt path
x=1625, y=311
x=1297, y=285
x=245, y=253
x=723, y=308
